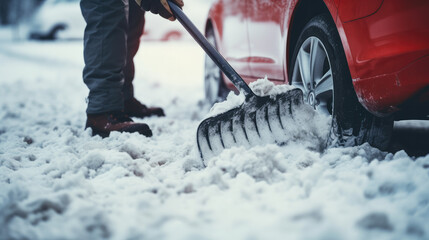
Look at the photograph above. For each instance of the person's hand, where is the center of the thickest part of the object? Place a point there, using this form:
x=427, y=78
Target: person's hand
x=160, y=7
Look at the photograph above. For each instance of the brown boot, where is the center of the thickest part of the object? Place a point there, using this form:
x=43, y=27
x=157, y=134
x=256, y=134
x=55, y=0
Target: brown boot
x=134, y=108
x=103, y=124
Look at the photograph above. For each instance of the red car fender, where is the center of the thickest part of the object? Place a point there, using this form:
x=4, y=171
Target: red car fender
x=350, y=10
x=380, y=46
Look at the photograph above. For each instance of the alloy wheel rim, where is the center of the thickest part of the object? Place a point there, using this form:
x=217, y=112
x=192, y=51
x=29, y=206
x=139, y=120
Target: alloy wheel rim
x=312, y=73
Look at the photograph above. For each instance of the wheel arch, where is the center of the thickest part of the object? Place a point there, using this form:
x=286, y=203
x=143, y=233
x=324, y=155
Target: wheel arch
x=208, y=25
x=214, y=21
x=303, y=12
x=211, y=24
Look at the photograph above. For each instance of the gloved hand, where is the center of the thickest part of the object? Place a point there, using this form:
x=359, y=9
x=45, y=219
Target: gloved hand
x=160, y=7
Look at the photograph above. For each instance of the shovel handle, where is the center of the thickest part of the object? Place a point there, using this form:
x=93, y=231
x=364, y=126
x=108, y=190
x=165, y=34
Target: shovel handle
x=217, y=58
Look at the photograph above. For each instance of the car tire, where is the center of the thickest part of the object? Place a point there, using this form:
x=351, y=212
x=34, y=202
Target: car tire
x=52, y=35
x=333, y=92
x=214, y=86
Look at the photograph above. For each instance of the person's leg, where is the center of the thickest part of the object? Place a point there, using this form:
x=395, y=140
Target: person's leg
x=135, y=30
x=105, y=50
x=105, y=53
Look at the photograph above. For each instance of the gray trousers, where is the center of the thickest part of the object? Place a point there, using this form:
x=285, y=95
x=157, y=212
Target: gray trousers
x=111, y=40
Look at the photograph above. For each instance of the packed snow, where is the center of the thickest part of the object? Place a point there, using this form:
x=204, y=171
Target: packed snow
x=262, y=87
x=58, y=182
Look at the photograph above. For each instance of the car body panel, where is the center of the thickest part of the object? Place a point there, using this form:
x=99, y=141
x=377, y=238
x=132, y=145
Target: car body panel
x=385, y=42
x=381, y=46
x=350, y=10
x=231, y=34
x=266, y=18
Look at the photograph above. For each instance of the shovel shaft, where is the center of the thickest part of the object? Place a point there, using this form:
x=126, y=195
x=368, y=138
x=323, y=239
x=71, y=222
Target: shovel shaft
x=217, y=58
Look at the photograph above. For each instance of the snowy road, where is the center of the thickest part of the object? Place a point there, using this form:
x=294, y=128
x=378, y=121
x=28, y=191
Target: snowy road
x=58, y=182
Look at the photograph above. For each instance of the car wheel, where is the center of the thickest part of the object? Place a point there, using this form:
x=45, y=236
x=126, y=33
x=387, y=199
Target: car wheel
x=214, y=86
x=319, y=68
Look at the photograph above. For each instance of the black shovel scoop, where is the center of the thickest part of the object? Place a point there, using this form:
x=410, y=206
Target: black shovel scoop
x=259, y=120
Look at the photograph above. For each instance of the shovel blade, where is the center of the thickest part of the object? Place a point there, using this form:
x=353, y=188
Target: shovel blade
x=258, y=121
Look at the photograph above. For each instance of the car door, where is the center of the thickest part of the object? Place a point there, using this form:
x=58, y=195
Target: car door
x=267, y=45
x=232, y=29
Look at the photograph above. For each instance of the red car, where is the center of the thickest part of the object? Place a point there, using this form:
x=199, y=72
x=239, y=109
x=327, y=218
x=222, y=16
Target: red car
x=364, y=62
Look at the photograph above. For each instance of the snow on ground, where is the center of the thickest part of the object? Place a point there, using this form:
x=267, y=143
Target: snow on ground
x=58, y=182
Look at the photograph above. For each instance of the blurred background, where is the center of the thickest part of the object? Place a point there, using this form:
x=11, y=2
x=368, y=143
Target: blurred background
x=62, y=20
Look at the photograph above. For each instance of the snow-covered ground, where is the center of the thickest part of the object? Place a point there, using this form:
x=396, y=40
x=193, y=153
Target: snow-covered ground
x=58, y=182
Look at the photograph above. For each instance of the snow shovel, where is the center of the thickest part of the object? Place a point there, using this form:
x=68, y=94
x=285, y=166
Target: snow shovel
x=259, y=120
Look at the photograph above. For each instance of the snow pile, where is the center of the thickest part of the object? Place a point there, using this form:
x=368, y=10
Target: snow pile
x=261, y=87
x=264, y=87
x=232, y=101
x=58, y=182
